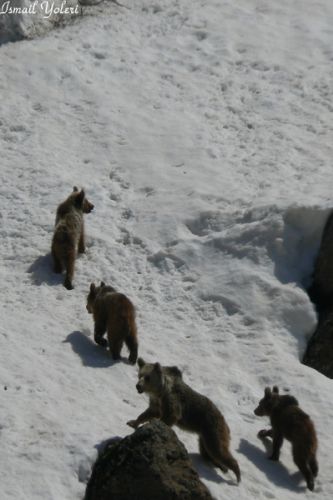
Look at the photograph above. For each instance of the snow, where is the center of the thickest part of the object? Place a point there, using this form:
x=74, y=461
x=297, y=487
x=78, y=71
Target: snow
x=202, y=132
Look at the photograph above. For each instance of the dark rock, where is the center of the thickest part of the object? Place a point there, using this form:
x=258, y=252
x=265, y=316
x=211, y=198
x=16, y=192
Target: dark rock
x=321, y=289
x=319, y=353
x=150, y=464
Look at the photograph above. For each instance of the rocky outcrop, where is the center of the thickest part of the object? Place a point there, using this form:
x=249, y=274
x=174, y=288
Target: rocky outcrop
x=150, y=464
x=319, y=353
x=321, y=290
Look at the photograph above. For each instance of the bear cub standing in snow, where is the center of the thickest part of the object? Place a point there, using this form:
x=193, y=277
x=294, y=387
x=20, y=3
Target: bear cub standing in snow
x=290, y=422
x=175, y=403
x=113, y=312
x=68, y=237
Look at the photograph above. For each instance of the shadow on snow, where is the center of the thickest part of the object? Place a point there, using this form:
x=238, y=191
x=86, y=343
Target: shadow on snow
x=207, y=471
x=90, y=353
x=276, y=472
x=42, y=272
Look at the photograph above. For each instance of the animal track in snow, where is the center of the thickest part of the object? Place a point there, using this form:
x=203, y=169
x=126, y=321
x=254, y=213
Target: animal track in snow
x=230, y=307
x=206, y=223
x=40, y=108
x=201, y=35
x=127, y=213
x=17, y=128
x=166, y=261
x=129, y=239
x=100, y=55
x=114, y=176
x=115, y=197
x=148, y=191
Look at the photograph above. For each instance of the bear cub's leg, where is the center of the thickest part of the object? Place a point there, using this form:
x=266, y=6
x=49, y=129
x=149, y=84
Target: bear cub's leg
x=99, y=331
x=132, y=346
x=82, y=246
x=115, y=347
x=57, y=265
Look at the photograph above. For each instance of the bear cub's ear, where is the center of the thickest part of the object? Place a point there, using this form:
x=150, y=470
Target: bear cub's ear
x=102, y=284
x=92, y=287
x=174, y=370
x=141, y=362
x=275, y=390
x=75, y=189
x=157, y=368
x=268, y=392
x=79, y=199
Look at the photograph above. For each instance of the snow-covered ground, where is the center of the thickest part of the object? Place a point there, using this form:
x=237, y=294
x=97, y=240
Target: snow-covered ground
x=202, y=131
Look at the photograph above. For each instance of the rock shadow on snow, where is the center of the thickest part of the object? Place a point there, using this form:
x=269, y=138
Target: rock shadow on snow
x=90, y=353
x=276, y=472
x=207, y=471
x=42, y=272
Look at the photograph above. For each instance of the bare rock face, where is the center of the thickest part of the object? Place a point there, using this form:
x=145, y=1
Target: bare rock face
x=319, y=353
x=150, y=464
x=321, y=290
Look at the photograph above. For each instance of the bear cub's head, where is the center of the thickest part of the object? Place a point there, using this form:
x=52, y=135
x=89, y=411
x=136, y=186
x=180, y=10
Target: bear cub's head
x=79, y=200
x=153, y=377
x=273, y=400
x=267, y=403
x=150, y=377
x=97, y=291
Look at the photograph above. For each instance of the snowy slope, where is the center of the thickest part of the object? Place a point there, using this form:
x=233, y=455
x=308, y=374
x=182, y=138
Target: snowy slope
x=202, y=131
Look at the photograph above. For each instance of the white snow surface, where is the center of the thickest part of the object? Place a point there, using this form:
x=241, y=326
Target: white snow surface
x=202, y=131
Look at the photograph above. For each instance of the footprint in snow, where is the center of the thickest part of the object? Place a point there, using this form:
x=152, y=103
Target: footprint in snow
x=127, y=214
x=200, y=35
x=148, y=191
x=99, y=55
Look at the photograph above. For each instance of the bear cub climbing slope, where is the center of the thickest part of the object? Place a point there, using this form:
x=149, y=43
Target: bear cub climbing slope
x=175, y=403
x=68, y=237
x=113, y=313
x=290, y=422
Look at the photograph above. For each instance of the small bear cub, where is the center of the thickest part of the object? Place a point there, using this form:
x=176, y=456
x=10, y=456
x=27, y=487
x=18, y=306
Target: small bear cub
x=175, y=403
x=290, y=422
x=68, y=237
x=113, y=313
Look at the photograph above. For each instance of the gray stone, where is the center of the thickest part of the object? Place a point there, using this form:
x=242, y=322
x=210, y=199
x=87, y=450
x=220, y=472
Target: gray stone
x=321, y=290
x=150, y=464
x=319, y=353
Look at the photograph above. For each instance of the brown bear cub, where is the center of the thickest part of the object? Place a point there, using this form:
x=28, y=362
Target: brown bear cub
x=68, y=237
x=113, y=313
x=290, y=422
x=175, y=403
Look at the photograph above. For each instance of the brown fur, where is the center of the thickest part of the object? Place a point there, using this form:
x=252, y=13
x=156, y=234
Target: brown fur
x=68, y=237
x=175, y=403
x=113, y=312
x=290, y=422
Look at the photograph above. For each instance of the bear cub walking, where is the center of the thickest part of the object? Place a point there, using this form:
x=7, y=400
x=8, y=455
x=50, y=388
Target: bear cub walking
x=290, y=422
x=68, y=237
x=175, y=403
x=113, y=313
